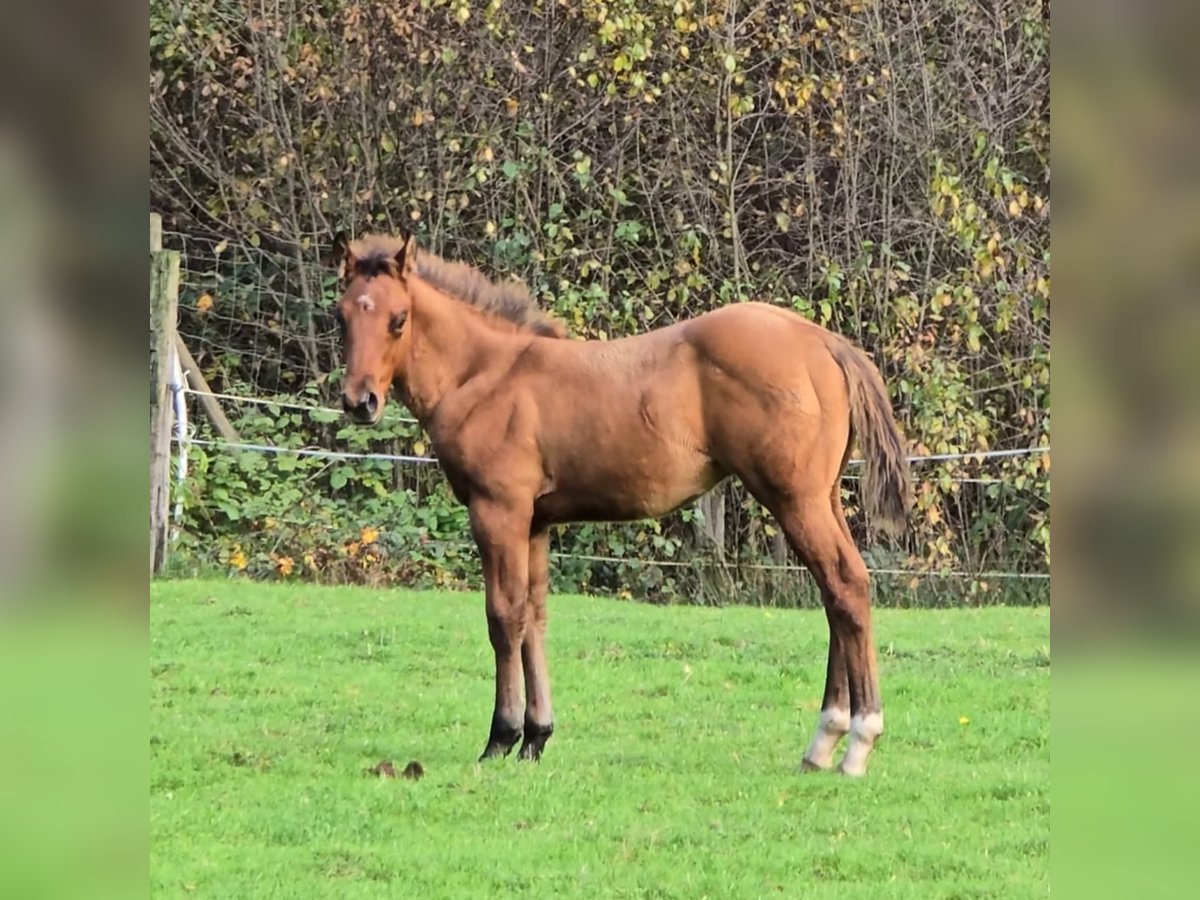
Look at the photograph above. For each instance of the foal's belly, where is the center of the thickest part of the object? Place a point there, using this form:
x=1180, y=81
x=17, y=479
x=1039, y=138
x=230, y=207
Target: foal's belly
x=625, y=496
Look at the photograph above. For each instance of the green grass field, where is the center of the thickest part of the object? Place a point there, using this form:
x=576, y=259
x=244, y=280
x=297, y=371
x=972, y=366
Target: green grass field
x=673, y=771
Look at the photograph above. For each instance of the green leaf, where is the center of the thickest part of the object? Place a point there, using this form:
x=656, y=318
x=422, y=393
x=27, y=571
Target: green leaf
x=973, y=335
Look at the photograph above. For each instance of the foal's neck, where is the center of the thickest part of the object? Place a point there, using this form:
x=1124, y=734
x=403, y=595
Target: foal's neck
x=451, y=346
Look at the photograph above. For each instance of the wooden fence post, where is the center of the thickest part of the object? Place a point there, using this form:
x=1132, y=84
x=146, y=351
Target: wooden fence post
x=199, y=388
x=164, y=304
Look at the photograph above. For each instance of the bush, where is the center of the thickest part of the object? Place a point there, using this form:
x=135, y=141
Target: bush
x=882, y=168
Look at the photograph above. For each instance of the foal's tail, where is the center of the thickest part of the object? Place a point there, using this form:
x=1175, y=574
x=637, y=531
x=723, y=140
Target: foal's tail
x=887, y=492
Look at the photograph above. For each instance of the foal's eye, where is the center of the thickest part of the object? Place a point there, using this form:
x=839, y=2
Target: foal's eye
x=396, y=323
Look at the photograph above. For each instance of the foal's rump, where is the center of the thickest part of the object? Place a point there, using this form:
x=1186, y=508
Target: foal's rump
x=783, y=397
x=774, y=397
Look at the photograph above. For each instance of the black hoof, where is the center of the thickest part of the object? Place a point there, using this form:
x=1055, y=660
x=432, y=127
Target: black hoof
x=535, y=740
x=501, y=740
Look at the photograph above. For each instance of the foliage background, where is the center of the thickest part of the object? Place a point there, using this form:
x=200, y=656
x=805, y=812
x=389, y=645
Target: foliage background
x=881, y=167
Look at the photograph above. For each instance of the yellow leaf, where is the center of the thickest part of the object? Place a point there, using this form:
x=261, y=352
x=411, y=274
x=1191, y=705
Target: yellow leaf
x=237, y=559
x=204, y=303
x=963, y=720
x=419, y=448
x=369, y=535
x=221, y=247
x=1014, y=208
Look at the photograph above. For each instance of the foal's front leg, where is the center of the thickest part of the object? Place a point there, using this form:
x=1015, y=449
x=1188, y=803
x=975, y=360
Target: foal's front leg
x=539, y=715
x=502, y=534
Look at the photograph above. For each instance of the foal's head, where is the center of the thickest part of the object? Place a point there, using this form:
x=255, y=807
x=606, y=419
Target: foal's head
x=372, y=313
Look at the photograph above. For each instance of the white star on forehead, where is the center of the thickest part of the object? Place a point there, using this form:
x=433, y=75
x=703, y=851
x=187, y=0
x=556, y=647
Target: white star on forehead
x=366, y=304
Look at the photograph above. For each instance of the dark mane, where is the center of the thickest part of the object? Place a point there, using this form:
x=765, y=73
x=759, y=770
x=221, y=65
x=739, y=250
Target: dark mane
x=510, y=299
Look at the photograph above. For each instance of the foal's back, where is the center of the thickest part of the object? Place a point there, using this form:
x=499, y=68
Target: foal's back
x=749, y=357
x=651, y=421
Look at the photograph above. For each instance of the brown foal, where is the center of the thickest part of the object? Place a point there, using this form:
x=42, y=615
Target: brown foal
x=534, y=430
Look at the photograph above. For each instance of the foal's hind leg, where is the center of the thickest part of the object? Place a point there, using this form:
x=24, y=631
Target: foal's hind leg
x=835, y=706
x=823, y=543
x=834, y=722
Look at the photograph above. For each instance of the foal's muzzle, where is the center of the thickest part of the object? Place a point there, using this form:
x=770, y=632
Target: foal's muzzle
x=364, y=409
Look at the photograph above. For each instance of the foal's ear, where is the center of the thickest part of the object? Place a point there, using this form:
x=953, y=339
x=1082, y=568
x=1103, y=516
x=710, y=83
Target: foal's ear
x=341, y=257
x=406, y=256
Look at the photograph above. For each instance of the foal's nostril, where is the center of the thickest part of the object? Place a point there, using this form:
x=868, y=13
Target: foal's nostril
x=364, y=409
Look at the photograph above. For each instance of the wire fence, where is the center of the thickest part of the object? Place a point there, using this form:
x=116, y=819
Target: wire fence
x=259, y=326
x=975, y=456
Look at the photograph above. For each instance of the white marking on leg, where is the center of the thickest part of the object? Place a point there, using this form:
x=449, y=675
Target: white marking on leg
x=864, y=731
x=831, y=726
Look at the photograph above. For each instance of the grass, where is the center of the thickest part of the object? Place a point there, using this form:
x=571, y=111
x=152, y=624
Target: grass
x=673, y=771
